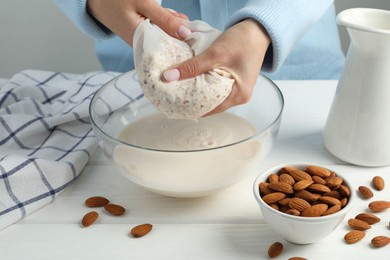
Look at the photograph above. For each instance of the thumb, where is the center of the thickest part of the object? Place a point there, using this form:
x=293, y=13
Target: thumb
x=189, y=69
x=168, y=21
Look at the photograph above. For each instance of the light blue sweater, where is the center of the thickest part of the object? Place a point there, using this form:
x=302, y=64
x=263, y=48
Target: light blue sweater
x=305, y=41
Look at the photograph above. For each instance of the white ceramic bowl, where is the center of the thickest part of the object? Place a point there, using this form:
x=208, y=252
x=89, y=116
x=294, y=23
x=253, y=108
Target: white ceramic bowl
x=297, y=229
x=183, y=172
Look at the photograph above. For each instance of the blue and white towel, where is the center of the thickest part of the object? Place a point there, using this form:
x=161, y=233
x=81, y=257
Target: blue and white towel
x=45, y=137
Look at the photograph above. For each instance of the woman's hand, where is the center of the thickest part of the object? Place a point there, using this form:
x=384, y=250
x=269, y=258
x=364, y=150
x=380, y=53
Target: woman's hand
x=240, y=51
x=123, y=16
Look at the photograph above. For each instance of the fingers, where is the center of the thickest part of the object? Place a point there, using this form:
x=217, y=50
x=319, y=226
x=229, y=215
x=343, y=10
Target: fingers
x=189, y=69
x=177, y=14
x=166, y=20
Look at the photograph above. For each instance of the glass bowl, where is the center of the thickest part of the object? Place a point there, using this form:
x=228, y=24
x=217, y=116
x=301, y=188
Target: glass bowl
x=183, y=158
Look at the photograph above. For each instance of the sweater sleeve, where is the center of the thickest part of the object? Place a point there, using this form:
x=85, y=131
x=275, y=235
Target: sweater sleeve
x=76, y=11
x=285, y=21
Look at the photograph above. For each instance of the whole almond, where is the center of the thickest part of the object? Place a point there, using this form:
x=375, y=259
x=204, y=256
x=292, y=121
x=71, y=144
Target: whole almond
x=297, y=258
x=318, y=171
x=306, y=195
x=318, y=179
x=334, y=181
x=293, y=212
x=284, y=202
x=344, y=190
x=275, y=206
x=332, y=210
x=329, y=200
x=273, y=197
x=275, y=249
x=354, y=236
x=115, y=209
x=96, y=201
x=141, y=230
x=303, y=184
x=369, y=218
x=284, y=177
x=315, y=210
x=334, y=193
x=319, y=188
x=299, y=204
x=89, y=218
x=344, y=202
x=358, y=224
x=297, y=174
x=263, y=187
x=380, y=241
x=273, y=178
x=365, y=192
x=379, y=205
x=378, y=183
x=282, y=187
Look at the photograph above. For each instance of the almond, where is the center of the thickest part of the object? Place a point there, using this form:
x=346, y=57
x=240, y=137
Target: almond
x=365, y=192
x=263, y=187
x=297, y=174
x=329, y=200
x=334, y=181
x=378, y=183
x=275, y=206
x=273, y=197
x=358, y=224
x=284, y=177
x=369, y=218
x=379, y=205
x=318, y=171
x=297, y=258
x=89, y=218
x=354, y=236
x=275, y=249
x=115, y=209
x=141, y=230
x=319, y=188
x=273, y=178
x=301, y=185
x=332, y=210
x=306, y=195
x=299, y=204
x=96, y=201
x=380, y=241
x=293, y=212
x=334, y=194
x=318, y=179
x=282, y=187
x=344, y=190
x=315, y=210
x=285, y=201
x=344, y=202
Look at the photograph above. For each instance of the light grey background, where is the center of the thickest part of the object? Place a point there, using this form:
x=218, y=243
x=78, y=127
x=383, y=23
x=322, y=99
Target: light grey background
x=36, y=35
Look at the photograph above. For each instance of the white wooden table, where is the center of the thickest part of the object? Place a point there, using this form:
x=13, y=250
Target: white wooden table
x=227, y=225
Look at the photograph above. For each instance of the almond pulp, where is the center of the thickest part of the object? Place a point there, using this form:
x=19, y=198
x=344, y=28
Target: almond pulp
x=275, y=249
x=378, y=183
x=89, y=218
x=358, y=224
x=379, y=205
x=115, y=209
x=354, y=236
x=380, y=241
x=315, y=210
x=96, y=201
x=141, y=230
x=282, y=187
x=365, y=192
x=369, y=218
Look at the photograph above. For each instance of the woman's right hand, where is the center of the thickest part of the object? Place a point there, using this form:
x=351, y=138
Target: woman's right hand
x=123, y=16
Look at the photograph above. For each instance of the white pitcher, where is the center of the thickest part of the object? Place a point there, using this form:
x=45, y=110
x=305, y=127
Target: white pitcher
x=358, y=125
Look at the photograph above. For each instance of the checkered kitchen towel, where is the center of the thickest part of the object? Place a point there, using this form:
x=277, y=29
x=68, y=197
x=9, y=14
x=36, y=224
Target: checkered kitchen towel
x=45, y=137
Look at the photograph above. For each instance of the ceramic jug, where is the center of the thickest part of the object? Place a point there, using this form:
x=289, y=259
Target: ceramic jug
x=358, y=125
